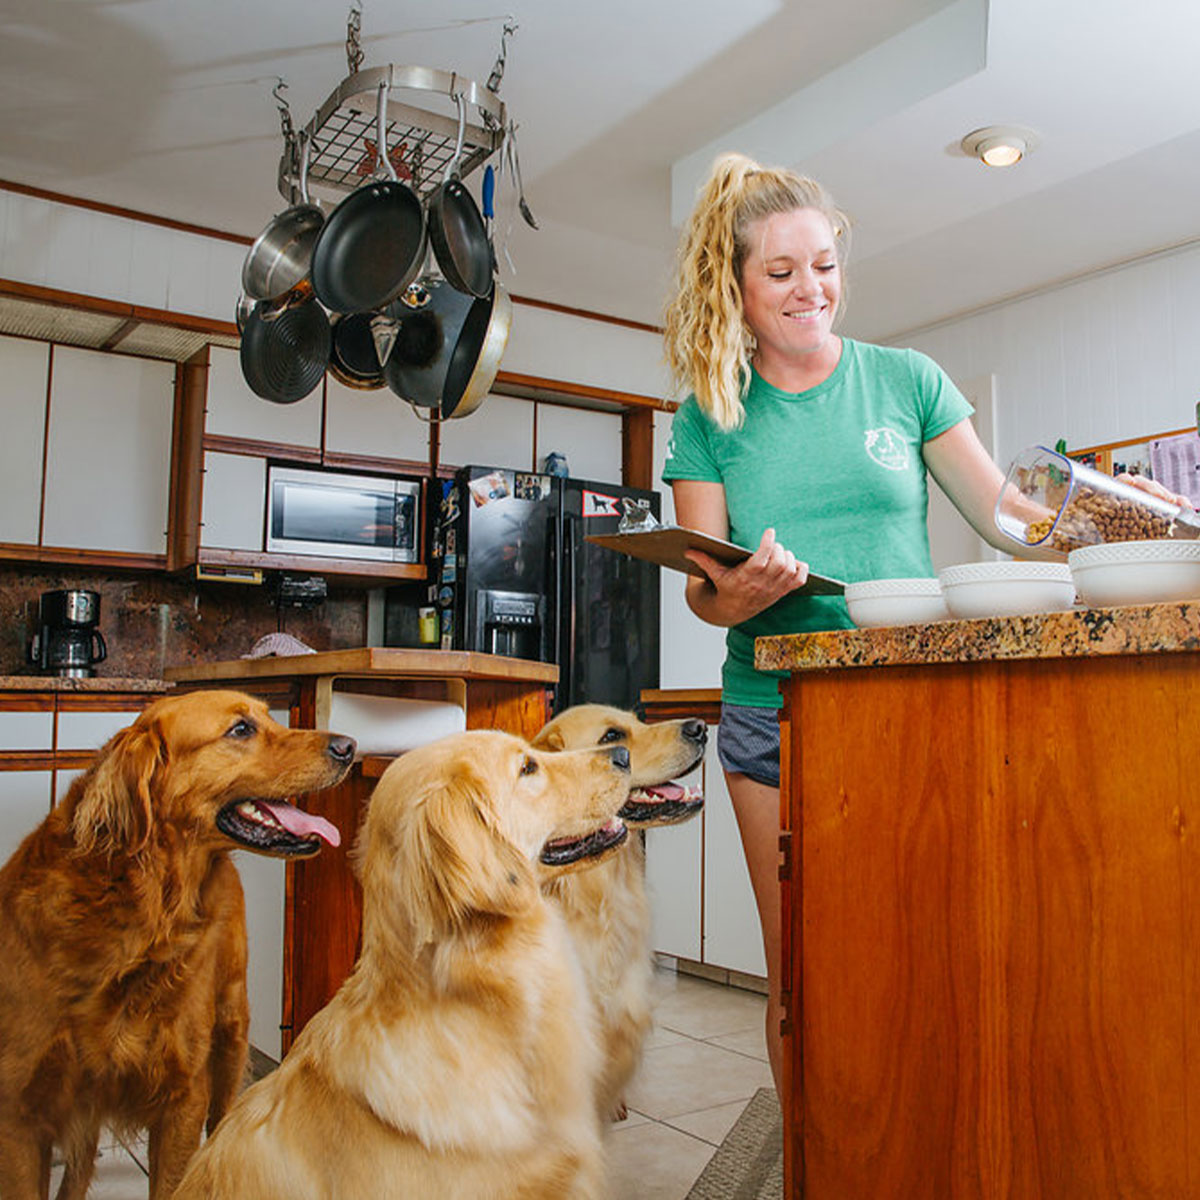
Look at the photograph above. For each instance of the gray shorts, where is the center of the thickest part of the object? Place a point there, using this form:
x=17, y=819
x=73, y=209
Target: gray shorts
x=748, y=742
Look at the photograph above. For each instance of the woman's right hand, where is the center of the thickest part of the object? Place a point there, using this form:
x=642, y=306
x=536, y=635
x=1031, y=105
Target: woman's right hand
x=735, y=594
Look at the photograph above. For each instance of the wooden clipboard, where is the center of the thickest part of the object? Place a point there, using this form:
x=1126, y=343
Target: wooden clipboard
x=665, y=545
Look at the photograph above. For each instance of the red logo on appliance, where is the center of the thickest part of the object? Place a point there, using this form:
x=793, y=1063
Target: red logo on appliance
x=596, y=504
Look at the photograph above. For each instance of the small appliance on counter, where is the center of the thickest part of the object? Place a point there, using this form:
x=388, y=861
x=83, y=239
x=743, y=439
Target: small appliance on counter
x=68, y=642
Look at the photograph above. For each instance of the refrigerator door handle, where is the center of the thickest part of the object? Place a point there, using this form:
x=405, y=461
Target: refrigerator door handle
x=566, y=667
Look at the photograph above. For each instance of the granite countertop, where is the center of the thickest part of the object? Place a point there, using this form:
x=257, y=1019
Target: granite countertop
x=1076, y=633
x=94, y=683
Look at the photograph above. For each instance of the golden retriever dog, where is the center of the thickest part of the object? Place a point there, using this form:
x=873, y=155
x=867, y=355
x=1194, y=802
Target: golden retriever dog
x=606, y=910
x=123, y=939
x=457, y=1060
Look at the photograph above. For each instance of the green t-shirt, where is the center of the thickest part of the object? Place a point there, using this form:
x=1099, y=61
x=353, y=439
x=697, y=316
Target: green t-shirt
x=837, y=471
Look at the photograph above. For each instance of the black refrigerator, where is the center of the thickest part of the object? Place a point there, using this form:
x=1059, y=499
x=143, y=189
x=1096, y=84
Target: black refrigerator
x=514, y=576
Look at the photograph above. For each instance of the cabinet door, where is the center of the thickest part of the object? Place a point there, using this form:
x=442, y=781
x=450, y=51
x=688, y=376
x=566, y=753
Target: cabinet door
x=235, y=492
x=23, y=373
x=233, y=410
x=89, y=730
x=674, y=870
x=27, y=729
x=376, y=423
x=590, y=440
x=732, y=935
x=24, y=804
x=108, y=454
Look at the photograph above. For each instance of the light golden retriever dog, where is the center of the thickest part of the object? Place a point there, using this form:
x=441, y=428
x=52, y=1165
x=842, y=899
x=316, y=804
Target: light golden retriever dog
x=606, y=910
x=123, y=941
x=457, y=1060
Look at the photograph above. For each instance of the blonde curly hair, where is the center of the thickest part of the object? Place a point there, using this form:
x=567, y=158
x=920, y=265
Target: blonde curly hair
x=708, y=344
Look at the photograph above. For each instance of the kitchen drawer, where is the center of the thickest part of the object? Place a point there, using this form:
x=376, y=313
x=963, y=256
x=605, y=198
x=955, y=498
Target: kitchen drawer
x=90, y=730
x=27, y=730
x=24, y=804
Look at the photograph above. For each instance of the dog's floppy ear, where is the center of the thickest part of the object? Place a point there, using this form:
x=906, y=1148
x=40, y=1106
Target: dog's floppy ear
x=465, y=865
x=114, y=813
x=549, y=739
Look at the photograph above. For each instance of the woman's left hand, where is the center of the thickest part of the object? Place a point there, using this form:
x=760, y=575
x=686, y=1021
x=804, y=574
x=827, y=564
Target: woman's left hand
x=1155, y=489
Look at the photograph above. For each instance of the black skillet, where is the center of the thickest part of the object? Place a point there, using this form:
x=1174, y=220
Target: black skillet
x=353, y=358
x=456, y=229
x=372, y=245
x=285, y=351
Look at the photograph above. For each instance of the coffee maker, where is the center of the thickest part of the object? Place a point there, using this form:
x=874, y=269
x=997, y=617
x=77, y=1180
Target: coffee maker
x=67, y=642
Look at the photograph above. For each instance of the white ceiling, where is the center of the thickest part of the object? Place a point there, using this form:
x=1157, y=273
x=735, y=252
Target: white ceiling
x=165, y=106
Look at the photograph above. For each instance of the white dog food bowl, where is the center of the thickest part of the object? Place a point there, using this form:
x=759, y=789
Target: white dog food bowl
x=1147, y=572
x=1006, y=589
x=875, y=602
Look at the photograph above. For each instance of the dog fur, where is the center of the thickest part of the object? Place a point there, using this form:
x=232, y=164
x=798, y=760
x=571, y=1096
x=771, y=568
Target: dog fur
x=606, y=910
x=123, y=941
x=457, y=1060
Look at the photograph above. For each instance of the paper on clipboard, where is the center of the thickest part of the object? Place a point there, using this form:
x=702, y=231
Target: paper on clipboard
x=665, y=545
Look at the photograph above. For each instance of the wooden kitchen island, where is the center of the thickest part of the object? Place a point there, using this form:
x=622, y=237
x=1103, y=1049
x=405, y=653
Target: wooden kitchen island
x=322, y=901
x=991, y=892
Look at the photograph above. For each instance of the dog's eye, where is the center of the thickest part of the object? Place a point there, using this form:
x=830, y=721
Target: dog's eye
x=612, y=735
x=242, y=728
x=529, y=767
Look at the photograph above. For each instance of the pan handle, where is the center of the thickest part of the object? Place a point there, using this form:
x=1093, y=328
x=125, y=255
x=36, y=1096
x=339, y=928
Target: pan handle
x=305, y=151
x=381, y=148
x=452, y=169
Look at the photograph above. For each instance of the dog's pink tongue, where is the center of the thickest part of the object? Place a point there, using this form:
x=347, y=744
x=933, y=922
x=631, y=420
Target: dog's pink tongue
x=667, y=791
x=303, y=824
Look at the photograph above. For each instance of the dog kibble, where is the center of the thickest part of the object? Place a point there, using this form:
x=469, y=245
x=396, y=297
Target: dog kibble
x=1091, y=516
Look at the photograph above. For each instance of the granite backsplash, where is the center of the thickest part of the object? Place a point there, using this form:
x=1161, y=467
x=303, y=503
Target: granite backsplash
x=151, y=620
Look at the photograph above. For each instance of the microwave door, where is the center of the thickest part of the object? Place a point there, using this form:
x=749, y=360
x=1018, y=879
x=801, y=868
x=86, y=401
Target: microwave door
x=332, y=519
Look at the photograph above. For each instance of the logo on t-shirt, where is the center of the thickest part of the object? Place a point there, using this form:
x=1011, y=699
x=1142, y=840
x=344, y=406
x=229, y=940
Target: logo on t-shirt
x=887, y=448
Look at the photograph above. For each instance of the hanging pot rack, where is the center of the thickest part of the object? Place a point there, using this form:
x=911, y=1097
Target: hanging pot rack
x=422, y=131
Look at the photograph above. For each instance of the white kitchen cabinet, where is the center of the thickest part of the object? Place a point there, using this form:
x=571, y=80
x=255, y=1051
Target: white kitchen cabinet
x=702, y=905
x=108, y=452
x=24, y=804
x=374, y=422
x=232, y=513
x=674, y=862
x=24, y=371
x=27, y=731
x=264, y=882
x=90, y=729
x=233, y=410
x=732, y=935
x=498, y=434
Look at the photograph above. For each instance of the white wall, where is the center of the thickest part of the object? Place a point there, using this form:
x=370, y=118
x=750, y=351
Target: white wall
x=1109, y=357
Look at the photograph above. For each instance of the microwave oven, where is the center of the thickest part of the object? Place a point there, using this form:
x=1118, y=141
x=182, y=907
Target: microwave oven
x=326, y=513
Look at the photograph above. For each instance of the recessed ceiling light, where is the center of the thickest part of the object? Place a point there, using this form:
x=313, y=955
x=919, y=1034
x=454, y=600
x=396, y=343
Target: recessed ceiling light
x=999, y=145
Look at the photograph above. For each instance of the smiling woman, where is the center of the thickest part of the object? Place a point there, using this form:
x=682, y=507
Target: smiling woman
x=809, y=446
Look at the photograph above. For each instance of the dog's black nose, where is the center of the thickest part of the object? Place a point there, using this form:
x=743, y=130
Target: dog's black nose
x=695, y=731
x=341, y=749
x=620, y=757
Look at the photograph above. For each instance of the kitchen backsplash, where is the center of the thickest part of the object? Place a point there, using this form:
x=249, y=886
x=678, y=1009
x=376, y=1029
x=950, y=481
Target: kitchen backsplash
x=151, y=621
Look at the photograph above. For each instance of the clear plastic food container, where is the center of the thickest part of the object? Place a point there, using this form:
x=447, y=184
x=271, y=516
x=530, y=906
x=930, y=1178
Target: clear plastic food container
x=1050, y=500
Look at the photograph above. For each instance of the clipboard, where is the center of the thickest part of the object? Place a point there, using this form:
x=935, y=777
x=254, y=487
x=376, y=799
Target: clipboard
x=665, y=544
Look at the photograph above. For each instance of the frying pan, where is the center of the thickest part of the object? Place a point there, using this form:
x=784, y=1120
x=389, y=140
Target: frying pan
x=282, y=254
x=420, y=358
x=372, y=245
x=285, y=352
x=477, y=353
x=460, y=240
x=353, y=359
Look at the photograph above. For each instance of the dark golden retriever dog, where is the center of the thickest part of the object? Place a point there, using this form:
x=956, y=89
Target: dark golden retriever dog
x=123, y=940
x=457, y=1061
x=606, y=910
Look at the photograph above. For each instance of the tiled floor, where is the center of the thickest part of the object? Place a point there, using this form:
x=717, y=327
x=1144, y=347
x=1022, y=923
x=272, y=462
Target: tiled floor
x=705, y=1059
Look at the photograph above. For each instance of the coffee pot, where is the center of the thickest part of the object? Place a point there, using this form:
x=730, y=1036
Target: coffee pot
x=68, y=642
